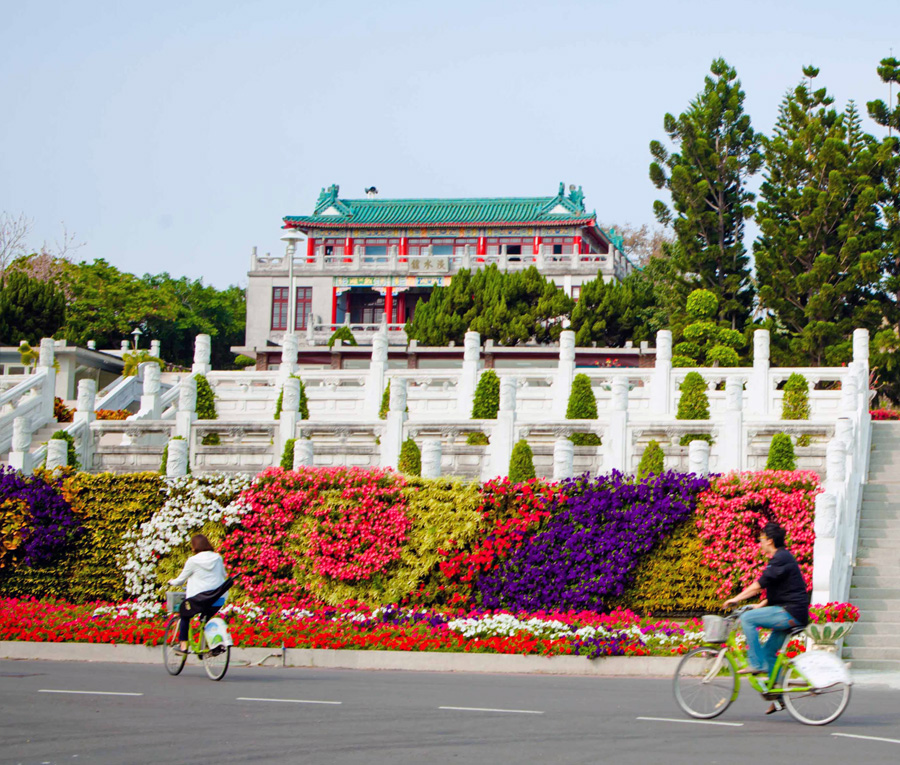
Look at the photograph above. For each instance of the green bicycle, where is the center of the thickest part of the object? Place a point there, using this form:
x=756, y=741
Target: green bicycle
x=706, y=680
x=215, y=659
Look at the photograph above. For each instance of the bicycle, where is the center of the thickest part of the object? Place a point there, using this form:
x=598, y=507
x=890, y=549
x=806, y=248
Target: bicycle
x=706, y=680
x=215, y=658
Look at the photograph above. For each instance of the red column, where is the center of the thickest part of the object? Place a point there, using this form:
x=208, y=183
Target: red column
x=348, y=249
x=576, y=245
x=537, y=245
x=389, y=304
x=482, y=249
x=310, y=250
x=404, y=249
x=401, y=308
x=334, y=298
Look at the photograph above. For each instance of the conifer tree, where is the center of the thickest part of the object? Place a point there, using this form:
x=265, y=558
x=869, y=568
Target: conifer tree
x=29, y=309
x=716, y=152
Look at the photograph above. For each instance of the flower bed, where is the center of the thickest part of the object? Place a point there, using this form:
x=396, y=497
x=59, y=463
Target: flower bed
x=885, y=414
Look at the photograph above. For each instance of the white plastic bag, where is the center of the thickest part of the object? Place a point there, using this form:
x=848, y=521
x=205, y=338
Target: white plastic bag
x=216, y=632
x=823, y=669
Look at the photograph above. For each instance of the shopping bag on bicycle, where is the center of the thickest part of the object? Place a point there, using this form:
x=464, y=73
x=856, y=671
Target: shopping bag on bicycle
x=216, y=632
x=822, y=668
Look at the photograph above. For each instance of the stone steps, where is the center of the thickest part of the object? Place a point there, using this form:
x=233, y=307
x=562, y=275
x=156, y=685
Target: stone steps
x=870, y=628
x=864, y=652
x=865, y=581
x=875, y=665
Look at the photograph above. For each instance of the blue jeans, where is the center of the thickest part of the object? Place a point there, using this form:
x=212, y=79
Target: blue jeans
x=775, y=618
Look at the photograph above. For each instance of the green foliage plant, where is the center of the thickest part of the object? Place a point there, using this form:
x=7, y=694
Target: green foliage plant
x=206, y=408
x=302, y=406
x=781, y=453
x=486, y=402
x=71, y=453
x=385, y=402
x=410, y=462
x=477, y=438
x=693, y=405
x=30, y=309
x=287, y=456
x=609, y=313
x=521, y=463
x=706, y=343
x=582, y=406
x=165, y=457
x=242, y=362
x=27, y=354
x=652, y=460
x=343, y=334
x=795, y=404
x=134, y=359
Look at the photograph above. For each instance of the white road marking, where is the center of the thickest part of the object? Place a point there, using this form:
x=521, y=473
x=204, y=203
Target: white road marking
x=695, y=722
x=483, y=709
x=288, y=701
x=90, y=693
x=868, y=738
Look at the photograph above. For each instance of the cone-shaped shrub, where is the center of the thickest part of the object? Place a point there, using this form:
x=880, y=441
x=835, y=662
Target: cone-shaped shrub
x=410, y=462
x=385, y=402
x=487, y=396
x=521, y=463
x=343, y=334
x=795, y=405
x=693, y=405
x=287, y=456
x=781, y=453
x=477, y=439
x=652, y=460
x=206, y=408
x=582, y=406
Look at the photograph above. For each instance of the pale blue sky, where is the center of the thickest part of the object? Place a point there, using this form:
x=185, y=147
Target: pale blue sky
x=175, y=135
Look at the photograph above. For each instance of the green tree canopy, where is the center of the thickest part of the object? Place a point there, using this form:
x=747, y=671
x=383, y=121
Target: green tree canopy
x=29, y=309
x=609, y=313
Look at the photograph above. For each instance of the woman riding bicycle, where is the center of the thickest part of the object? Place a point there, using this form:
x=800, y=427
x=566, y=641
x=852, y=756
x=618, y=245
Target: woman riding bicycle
x=204, y=573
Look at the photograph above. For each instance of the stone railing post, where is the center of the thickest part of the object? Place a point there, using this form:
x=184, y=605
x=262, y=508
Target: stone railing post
x=504, y=432
x=187, y=407
x=303, y=453
x=125, y=346
x=85, y=412
x=824, y=546
x=177, y=458
x=310, y=331
x=287, y=420
x=565, y=374
x=156, y=348
x=730, y=439
x=57, y=454
x=202, y=355
x=375, y=377
x=150, y=404
x=289, y=347
x=392, y=439
x=698, y=457
x=615, y=441
x=758, y=388
x=431, y=458
x=46, y=356
x=563, y=459
x=20, y=453
x=661, y=383
x=468, y=377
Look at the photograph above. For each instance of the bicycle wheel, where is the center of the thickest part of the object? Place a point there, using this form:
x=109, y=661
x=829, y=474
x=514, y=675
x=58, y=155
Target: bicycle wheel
x=174, y=662
x=705, y=682
x=817, y=706
x=215, y=661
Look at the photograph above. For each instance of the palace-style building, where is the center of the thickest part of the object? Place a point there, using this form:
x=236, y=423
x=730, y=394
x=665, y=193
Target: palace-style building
x=368, y=261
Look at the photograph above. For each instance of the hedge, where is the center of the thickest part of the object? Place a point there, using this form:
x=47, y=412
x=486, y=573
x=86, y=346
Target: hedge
x=582, y=406
x=781, y=453
x=486, y=403
x=410, y=462
x=521, y=463
x=652, y=460
x=287, y=456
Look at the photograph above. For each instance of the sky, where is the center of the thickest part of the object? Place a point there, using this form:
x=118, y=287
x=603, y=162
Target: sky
x=174, y=136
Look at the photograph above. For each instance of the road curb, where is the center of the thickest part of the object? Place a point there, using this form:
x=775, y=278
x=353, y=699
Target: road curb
x=329, y=658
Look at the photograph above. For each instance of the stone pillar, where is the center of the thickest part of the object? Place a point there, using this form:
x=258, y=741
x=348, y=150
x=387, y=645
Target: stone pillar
x=468, y=377
x=731, y=436
x=303, y=453
x=375, y=378
x=57, y=453
x=20, y=452
x=150, y=404
x=661, y=383
x=46, y=356
x=392, y=439
x=125, y=346
x=758, y=388
x=177, y=458
x=310, y=331
x=565, y=374
x=202, y=355
x=431, y=458
x=861, y=346
x=503, y=434
x=288, y=356
x=287, y=420
x=850, y=392
x=156, y=349
x=187, y=407
x=824, y=546
x=615, y=442
x=563, y=459
x=835, y=465
x=698, y=457
x=85, y=412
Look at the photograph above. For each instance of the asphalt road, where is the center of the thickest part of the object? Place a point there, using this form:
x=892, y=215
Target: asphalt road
x=276, y=715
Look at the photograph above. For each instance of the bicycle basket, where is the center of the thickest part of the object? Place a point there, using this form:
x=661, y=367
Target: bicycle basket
x=174, y=599
x=715, y=629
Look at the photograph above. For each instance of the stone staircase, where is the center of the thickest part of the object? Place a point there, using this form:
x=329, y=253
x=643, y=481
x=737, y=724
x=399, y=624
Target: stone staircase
x=875, y=585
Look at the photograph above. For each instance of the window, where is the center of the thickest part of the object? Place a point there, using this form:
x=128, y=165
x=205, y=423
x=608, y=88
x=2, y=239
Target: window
x=279, y=308
x=514, y=249
x=445, y=250
x=557, y=249
x=576, y=293
x=304, y=307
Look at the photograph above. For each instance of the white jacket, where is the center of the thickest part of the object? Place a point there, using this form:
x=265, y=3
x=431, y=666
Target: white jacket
x=203, y=571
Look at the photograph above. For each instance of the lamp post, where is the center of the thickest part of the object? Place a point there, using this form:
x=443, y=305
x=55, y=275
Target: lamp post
x=136, y=334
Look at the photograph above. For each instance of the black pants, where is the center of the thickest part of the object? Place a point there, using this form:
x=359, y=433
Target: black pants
x=191, y=608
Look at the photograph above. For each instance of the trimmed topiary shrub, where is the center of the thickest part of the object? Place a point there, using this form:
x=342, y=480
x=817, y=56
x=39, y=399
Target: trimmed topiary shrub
x=781, y=453
x=582, y=406
x=71, y=454
x=344, y=335
x=521, y=463
x=652, y=460
x=287, y=456
x=477, y=439
x=242, y=362
x=410, y=462
x=693, y=405
x=385, y=402
x=795, y=405
x=206, y=408
x=487, y=396
x=302, y=406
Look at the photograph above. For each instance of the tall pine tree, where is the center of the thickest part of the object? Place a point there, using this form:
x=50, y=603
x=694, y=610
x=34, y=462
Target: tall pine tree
x=819, y=251
x=717, y=151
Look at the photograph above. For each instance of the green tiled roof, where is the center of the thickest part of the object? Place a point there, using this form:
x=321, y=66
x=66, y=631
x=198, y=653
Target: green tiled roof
x=332, y=212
